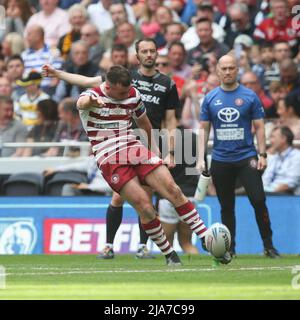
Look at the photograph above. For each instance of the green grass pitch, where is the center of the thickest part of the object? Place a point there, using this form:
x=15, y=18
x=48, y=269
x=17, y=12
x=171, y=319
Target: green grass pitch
x=125, y=277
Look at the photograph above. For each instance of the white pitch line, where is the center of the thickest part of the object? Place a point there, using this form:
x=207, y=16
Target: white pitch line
x=178, y=269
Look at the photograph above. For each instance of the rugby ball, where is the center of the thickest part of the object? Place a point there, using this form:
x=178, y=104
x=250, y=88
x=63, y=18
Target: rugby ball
x=218, y=240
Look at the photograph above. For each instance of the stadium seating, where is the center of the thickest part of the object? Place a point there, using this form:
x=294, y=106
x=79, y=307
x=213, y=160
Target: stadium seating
x=54, y=185
x=23, y=184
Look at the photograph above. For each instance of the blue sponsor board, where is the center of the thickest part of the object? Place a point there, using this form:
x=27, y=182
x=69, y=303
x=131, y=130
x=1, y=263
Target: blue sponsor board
x=26, y=222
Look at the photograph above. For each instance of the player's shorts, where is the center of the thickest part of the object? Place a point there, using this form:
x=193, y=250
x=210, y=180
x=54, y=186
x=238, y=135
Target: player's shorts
x=118, y=174
x=167, y=212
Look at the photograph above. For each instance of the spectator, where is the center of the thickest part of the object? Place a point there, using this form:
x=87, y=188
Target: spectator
x=118, y=56
x=79, y=64
x=162, y=65
x=207, y=43
x=118, y=15
x=52, y=19
x=38, y=53
x=288, y=114
x=12, y=44
x=5, y=87
x=46, y=128
x=164, y=17
x=77, y=18
x=69, y=127
x=100, y=16
x=250, y=80
x=240, y=23
x=28, y=102
x=148, y=23
x=289, y=75
x=279, y=27
x=282, y=175
x=11, y=130
x=17, y=13
x=14, y=72
x=90, y=35
x=267, y=71
x=190, y=38
x=173, y=32
x=195, y=92
x=96, y=184
x=277, y=91
x=127, y=36
x=177, y=59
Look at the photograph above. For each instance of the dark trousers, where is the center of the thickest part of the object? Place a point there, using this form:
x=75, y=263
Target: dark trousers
x=224, y=177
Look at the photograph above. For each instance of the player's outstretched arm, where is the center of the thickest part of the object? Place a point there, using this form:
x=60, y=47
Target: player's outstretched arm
x=87, y=101
x=74, y=79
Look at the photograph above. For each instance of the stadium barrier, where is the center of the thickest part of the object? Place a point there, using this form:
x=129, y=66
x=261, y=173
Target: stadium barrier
x=76, y=225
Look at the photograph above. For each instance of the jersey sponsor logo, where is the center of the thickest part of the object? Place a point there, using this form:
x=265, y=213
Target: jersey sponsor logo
x=238, y=102
x=150, y=98
x=228, y=115
x=230, y=134
x=218, y=102
x=158, y=87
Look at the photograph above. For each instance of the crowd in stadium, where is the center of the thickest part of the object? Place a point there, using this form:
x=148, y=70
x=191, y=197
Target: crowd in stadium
x=88, y=37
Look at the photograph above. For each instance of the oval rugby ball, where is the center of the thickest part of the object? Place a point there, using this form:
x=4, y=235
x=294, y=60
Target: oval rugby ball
x=218, y=240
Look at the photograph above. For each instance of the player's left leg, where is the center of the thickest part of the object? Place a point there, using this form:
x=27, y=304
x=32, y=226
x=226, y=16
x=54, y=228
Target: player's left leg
x=252, y=182
x=161, y=180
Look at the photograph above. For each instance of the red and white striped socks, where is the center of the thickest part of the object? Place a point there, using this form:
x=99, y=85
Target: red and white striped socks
x=156, y=233
x=188, y=214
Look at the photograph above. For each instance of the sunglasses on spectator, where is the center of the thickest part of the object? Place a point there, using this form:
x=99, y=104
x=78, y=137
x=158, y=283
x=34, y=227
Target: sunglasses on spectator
x=164, y=64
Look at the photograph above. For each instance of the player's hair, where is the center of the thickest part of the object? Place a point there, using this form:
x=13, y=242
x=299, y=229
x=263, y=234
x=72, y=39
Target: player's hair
x=137, y=44
x=118, y=75
x=6, y=100
x=287, y=133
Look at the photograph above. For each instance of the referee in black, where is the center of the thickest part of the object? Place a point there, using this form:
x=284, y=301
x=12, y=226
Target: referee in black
x=232, y=110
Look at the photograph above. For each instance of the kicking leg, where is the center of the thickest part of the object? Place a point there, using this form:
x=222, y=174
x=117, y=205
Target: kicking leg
x=133, y=192
x=161, y=180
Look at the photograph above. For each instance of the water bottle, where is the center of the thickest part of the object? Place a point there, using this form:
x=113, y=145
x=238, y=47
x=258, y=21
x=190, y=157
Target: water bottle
x=202, y=185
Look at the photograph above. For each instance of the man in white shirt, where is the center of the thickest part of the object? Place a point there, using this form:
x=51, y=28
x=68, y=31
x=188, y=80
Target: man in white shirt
x=53, y=20
x=283, y=172
x=190, y=38
x=100, y=15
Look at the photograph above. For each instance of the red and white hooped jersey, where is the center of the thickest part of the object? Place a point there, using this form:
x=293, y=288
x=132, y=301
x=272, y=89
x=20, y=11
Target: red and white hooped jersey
x=109, y=128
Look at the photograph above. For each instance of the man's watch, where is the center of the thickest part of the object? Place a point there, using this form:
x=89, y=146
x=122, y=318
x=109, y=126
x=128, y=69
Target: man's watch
x=264, y=155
